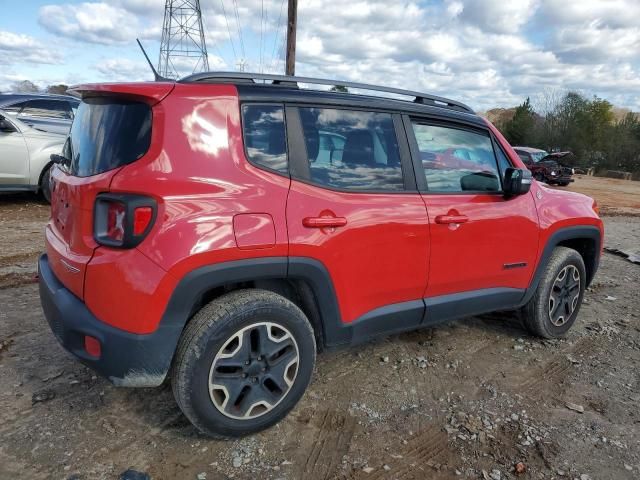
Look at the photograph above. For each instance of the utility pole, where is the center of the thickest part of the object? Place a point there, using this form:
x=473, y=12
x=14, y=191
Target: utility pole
x=291, y=37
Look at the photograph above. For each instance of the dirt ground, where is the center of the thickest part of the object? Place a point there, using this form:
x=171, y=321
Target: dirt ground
x=469, y=399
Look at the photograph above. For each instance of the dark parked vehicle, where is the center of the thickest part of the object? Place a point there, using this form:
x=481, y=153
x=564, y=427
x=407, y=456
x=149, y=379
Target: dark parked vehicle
x=46, y=112
x=546, y=167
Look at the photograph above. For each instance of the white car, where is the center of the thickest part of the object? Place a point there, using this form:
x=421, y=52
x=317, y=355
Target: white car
x=25, y=156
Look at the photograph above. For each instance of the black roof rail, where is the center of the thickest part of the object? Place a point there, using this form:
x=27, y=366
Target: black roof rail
x=292, y=81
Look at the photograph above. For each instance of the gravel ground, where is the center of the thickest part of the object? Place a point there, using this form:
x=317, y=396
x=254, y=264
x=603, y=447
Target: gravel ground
x=477, y=398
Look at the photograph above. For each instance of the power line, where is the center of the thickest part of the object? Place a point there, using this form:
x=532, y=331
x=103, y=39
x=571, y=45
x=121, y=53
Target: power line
x=275, y=39
x=235, y=6
x=261, y=30
x=235, y=57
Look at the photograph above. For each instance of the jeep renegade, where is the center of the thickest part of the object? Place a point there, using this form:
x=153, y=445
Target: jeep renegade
x=223, y=228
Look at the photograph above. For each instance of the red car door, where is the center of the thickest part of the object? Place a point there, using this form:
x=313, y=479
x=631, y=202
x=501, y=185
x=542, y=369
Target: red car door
x=483, y=245
x=351, y=208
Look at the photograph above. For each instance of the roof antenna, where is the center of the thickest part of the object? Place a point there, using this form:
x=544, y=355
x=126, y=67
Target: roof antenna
x=157, y=76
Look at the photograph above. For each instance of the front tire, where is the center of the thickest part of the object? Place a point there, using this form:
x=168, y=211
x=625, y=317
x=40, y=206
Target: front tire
x=243, y=363
x=555, y=305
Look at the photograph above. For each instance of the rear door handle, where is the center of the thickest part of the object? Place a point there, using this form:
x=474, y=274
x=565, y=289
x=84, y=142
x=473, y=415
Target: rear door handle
x=447, y=219
x=324, y=222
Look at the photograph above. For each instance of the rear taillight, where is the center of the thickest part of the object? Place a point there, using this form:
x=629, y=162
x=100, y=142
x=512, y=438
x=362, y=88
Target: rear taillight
x=123, y=220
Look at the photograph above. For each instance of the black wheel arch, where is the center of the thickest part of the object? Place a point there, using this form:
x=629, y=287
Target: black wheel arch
x=586, y=240
x=304, y=281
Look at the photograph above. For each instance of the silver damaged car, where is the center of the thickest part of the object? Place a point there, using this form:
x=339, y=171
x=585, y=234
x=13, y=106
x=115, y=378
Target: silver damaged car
x=25, y=156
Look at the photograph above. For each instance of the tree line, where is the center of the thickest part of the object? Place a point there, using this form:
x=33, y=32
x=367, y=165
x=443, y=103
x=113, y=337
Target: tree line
x=599, y=135
x=27, y=86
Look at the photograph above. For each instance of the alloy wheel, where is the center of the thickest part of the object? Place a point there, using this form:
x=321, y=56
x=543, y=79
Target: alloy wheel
x=564, y=295
x=254, y=370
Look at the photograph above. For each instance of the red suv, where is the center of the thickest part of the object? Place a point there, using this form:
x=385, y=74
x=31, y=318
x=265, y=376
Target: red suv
x=221, y=231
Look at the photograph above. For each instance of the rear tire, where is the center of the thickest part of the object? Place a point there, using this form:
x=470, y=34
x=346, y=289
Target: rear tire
x=45, y=184
x=243, y=362
x=555, y=305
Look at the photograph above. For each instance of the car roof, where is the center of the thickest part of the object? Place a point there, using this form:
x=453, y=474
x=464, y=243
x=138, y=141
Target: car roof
x=8, y=98
x=279, y=88
x=530, y=149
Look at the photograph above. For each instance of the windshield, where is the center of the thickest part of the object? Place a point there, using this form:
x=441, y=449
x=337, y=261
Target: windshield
x=107, y=133
x=537, y=156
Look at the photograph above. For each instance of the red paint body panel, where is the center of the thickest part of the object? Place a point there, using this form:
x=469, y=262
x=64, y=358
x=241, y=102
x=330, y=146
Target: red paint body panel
x=69, y=234
x=378, y=258
x=127, y=290
x=472, y=255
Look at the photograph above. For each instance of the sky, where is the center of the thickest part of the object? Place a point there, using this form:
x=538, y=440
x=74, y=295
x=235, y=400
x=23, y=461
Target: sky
x=486, y=53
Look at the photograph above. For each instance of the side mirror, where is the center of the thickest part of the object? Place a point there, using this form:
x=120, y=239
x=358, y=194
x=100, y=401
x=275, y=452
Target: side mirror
x=6, y=126
x=516, y=182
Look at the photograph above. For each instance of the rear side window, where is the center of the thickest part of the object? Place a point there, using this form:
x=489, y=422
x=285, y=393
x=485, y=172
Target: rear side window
x=264, y=136
x=47, y=109
x=107, y=133
x=456, y=160
x=351, y=150
x=15, y=108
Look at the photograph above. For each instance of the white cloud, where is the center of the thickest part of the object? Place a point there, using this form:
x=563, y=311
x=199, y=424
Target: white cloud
x=495, y=15
x=486, y=53
x=18, y=48
x=100, y=23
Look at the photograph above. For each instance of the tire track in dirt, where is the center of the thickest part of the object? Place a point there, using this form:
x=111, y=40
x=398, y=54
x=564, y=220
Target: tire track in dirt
x=555, y=370
x=331, y=442
x=416, y=460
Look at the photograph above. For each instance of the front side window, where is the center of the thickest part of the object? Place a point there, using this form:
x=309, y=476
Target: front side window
x=264, y=136
x=456, y=160
x=351, y=150
x=47, y=108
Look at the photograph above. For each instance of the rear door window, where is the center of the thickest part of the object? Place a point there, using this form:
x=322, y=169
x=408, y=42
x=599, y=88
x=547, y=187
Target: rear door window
x=456, y=160
x=351, y=150
x=47, y=109
x=107, y=133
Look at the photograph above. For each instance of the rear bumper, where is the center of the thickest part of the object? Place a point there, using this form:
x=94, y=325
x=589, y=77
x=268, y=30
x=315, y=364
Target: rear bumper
x=126, y=359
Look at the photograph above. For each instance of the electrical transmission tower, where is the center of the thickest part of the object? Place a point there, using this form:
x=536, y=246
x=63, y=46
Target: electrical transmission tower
x=183, y=46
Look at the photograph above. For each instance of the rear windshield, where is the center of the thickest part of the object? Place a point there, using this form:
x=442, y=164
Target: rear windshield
x=107, y=133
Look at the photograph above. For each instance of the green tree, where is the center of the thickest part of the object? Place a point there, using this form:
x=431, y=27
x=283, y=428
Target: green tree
x=24, y=86
x=520, y=129
x=60, y=89
x=339, y=88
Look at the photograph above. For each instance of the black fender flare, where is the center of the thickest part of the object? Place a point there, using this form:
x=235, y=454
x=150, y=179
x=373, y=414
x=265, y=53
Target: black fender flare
x=586, y=232
x=194, y=285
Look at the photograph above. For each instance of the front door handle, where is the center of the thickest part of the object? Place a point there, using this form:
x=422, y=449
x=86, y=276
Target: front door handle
x=324, y=222
x=448, y=219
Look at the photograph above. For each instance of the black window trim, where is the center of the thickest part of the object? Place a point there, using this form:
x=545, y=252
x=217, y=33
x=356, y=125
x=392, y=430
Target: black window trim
x=299, y=163
x=420, y=177
x=496, y=147
x=286, y=138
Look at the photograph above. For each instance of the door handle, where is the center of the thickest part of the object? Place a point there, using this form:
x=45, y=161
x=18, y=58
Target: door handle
x=447, y=219
x=324, y=222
